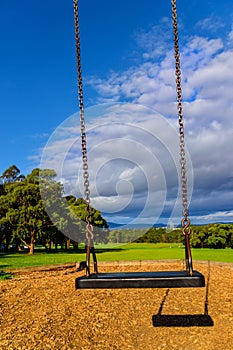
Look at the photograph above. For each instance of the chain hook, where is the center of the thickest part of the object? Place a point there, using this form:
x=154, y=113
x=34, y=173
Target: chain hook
x=186, y=226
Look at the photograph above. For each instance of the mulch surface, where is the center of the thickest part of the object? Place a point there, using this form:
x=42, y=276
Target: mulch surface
x=42, y=310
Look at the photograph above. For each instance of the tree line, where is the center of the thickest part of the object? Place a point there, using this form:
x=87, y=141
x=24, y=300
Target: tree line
x=206, y=236
x=23, y=213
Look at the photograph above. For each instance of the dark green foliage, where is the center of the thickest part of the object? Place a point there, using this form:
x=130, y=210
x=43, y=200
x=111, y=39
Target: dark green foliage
x=23, y=217
x=125, y=235
x=157, y=235
x=199, y=236
x=33, y=210
x=212, y=236
x=216, y=236
x=79, y=214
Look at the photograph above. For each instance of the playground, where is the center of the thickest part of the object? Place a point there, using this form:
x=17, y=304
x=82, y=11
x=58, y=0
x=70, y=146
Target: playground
x=40, y=309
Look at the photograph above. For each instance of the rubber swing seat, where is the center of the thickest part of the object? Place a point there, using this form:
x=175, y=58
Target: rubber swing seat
x=158, y=279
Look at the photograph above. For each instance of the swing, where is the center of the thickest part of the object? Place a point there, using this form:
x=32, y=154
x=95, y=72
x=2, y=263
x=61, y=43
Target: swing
x=162, y=279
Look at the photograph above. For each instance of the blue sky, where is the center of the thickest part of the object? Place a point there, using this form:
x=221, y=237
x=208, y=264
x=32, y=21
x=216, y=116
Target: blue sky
x=127, y=58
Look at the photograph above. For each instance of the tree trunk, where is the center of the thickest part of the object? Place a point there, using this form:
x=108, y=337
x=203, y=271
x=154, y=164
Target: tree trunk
x=7, y=244
x=25, y=243
x=68, y=244
x=32, y=245
x=17, y=241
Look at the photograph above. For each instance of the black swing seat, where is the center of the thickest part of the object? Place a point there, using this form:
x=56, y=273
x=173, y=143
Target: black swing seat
x=158, y=279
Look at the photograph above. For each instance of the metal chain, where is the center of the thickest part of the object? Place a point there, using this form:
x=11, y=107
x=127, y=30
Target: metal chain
x=89, y=227
x=186, y=220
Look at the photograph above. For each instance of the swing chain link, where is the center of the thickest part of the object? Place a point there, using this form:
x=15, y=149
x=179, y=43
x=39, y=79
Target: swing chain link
x=186, y=220
x=89, y=227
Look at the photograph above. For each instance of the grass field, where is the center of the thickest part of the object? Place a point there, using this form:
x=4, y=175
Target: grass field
x=133, y=251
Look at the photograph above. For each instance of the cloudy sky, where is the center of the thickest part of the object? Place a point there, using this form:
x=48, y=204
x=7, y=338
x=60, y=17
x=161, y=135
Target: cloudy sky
x=130, y=99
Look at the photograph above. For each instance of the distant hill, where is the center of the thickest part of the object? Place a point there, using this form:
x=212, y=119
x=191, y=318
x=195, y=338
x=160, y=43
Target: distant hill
x=114, y=225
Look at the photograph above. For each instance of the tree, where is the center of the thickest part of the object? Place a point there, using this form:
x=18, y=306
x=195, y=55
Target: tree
x=218, y=236
x=212, y=236
x=11, y=175
x=23, y=211
x=7, y=180
x=229, y=228
x=79, y=215
x=34, y=209
x=199, y=236
x=22, y=208
x=28, y=214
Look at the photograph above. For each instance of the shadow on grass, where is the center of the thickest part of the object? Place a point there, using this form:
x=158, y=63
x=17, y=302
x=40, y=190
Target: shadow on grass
x=79, y=251
x=199, y=320
x=14, y=254
x=19, y=254
x=3, y=266
x=5, y=276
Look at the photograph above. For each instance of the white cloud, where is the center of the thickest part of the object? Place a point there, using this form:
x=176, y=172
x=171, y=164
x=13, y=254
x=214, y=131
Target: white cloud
x=154, y=42
x=133, y=152
x=212, y=23
x=207, y=74
x=133, y=161
x=218, y=216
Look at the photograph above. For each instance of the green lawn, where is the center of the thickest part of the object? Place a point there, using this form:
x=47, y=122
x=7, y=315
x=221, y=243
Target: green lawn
x=150, y=251
x=133, y=251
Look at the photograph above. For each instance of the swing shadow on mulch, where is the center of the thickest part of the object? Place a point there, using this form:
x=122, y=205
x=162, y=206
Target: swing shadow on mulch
x=199, y=320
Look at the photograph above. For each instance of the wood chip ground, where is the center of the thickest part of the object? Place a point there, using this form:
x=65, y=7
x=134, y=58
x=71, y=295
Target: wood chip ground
x=42, y=310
